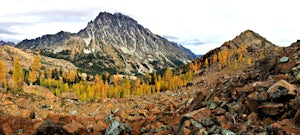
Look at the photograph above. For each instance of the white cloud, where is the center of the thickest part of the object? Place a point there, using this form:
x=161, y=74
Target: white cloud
x=212, y=22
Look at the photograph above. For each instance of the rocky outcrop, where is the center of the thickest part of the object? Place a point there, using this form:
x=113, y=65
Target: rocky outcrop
x=115, y=43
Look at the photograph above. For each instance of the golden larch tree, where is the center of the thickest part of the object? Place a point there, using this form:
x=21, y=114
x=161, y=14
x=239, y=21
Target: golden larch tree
x=18, y=74
x=35, y=68
x=206, y=63
x=3, y=81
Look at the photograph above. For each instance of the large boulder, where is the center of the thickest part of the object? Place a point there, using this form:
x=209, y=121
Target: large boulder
x=284, y=127
x=271, y=109
x=49, y=128
x=117, y=128
x=282, y=88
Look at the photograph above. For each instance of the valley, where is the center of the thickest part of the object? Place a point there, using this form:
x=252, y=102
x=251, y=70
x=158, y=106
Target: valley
x=117, y=77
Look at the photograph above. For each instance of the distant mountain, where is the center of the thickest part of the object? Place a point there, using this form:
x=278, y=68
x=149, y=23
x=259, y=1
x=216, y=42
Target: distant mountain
x=113, y=42
x=7, y=43
x=46, y=42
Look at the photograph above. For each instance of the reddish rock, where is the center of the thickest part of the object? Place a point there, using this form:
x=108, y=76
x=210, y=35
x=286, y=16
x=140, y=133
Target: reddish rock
x=284, y=127
x=187, y=123
x=272, y=109
x=74, y=128
x=68, y=95
x=199, y=115
x=225, y=123
x=7, y=102
x=155, y=111
x=184, y=131
x=258, y=96
x=7, y=130
x=102, y=126
x=282, y=88
x=150, y=106
x=219, y=111
x=25, y=113
x=156, y=125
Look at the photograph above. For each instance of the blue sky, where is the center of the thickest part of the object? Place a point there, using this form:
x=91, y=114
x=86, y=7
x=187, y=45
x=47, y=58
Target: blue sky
x=197, y=24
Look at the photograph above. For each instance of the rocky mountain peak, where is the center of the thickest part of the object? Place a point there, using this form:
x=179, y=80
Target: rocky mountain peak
x=113, y=42
x=250, y=38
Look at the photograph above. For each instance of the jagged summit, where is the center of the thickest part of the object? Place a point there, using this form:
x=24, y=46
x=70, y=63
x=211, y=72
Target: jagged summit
x=113, y=42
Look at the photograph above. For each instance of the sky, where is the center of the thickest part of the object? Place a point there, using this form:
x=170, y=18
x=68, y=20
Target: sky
x=199, y=25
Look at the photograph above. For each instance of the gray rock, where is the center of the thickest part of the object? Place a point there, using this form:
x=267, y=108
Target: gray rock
x=73, y=112
x=298, y=76
x=207, y=122
x=117, y=128
x=108, y=118
x=212, y=105
x=227, y=132
x=284, y=59
x=197, y=124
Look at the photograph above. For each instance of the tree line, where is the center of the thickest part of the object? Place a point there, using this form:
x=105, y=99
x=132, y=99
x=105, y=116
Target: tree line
x=101, y=86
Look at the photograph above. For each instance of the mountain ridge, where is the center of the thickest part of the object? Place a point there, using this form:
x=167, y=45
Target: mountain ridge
x=113, y=40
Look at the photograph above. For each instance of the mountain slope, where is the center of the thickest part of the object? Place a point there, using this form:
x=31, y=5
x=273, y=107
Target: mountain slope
x=8, y=53
x=113, y=42
x=254, y=43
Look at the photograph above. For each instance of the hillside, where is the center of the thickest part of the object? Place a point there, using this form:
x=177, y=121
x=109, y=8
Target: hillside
x=250, y=88
x=7, y=54
x=114, y=43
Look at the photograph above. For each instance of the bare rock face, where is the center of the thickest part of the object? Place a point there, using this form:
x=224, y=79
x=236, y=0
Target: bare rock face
x=115, y=43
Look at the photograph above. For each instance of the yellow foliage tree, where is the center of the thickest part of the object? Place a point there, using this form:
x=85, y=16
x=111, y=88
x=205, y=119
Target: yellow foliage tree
x=126, y=87
x=243, y=48
x=18, y=74
x=35, y=68
x=32, y=77
x=49, y=73
x=215, y=58
x=206, y=63
x=3, y=81
x=116, y=79
x=168, y=74
x=157, y=86
x=106, y=74
x=248, y=60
